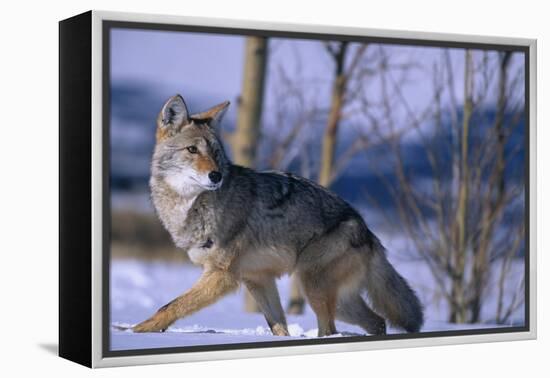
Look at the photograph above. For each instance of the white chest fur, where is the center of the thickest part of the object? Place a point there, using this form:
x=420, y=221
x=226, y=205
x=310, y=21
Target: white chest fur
x=175, y=223
x=177, y=218
x=173, y=210
x=198, y=254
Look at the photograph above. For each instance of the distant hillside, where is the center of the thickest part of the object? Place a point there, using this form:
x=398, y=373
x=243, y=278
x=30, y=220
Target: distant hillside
x=135, y=107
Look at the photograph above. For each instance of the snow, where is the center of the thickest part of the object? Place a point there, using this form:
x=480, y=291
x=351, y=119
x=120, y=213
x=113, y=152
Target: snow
x=139, y=288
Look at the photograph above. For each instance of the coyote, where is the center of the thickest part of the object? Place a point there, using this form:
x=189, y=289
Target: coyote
x=249, y=227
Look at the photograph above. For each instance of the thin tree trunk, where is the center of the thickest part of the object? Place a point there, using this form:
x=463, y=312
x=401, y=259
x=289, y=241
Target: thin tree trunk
x=245, y=139
x=336, y=105
x=296, y=302
x=494, y=202
x=459, y=305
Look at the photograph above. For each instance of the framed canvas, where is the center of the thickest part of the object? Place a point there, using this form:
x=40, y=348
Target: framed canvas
x=232, y=189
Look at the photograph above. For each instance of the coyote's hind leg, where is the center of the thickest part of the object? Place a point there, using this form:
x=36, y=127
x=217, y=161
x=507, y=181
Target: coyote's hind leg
x=322, y=300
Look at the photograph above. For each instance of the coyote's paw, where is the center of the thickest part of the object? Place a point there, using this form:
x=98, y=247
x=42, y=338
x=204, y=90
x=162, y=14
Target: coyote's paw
x=157, y=323
x=279, y=330
x=377, y=328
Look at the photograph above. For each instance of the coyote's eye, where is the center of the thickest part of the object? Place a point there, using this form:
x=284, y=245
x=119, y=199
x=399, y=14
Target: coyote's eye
x=192, y=149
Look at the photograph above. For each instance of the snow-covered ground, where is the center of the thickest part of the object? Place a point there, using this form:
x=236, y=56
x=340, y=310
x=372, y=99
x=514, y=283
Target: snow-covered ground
x=139, y=288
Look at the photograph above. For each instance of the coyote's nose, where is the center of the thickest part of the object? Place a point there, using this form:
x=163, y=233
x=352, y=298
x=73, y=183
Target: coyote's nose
x=215, y=176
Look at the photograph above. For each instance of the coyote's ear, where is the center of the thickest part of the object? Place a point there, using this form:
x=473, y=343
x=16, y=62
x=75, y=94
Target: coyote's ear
x=214, y=115
x=174, y=113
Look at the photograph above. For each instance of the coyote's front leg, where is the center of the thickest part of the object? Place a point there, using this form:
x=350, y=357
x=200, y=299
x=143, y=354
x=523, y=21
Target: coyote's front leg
x=211, y=286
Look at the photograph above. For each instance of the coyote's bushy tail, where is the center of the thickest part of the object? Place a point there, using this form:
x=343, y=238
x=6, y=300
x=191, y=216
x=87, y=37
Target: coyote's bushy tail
x=390, y=294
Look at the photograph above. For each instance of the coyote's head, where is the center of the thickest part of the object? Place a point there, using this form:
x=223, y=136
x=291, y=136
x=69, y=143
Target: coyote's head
x=188, y=154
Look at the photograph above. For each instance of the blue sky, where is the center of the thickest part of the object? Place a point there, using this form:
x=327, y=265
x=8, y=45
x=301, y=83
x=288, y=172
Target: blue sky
x=210, y=65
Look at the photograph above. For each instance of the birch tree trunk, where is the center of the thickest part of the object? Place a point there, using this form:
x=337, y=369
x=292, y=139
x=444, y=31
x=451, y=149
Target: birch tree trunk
x=336, y=105
x=296, y=302
x=458, y=295
x=245, y=139
x=246, y=135
x=494, y=200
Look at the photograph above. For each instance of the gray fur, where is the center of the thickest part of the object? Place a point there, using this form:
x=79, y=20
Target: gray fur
x=259, y=225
